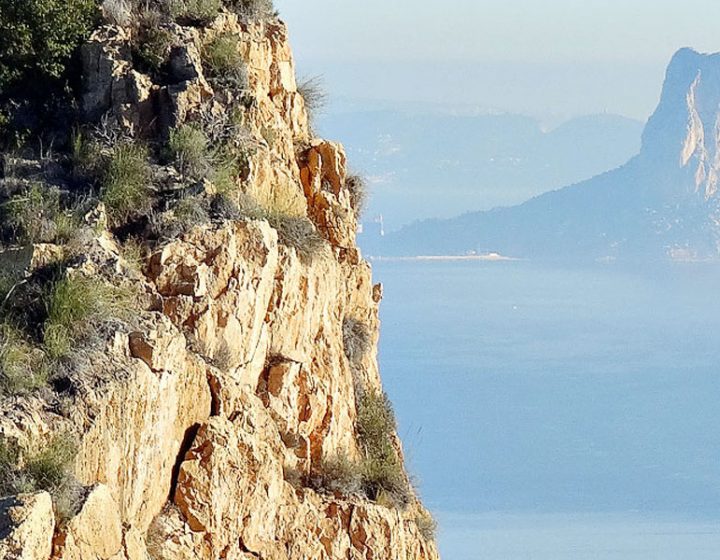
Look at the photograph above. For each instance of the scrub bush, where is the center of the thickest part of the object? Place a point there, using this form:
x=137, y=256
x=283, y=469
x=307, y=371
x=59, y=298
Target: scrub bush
x=126, y=186
x=39, y=38
x=222, y=58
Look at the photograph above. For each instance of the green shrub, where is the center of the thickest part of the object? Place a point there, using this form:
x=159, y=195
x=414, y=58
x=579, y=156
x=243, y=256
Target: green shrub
x=222, y=58
x=126, y=186
x=35, y=216
x=384, y=477
x=66, y=226
x=299, y=233
x=252, y=9
x=375, y=421
x=75, y=305
x=226, y=177
x=85, y=157
x=49, y=469
x=194, y=12
x=23, y=368
x=358, y=189
x=38, y=39
x=380, y=474
x=31, y=214
x=427, y=525
x=151, y=41
x=356, y=340
x=134, y=251
x=229, y=165
x=337, y=475
x=188, y=148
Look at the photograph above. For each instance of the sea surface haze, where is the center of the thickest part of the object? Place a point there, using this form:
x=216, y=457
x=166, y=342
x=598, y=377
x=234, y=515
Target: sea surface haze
x=566, y=411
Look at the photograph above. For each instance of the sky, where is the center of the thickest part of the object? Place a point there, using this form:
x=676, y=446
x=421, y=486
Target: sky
x=546, y=58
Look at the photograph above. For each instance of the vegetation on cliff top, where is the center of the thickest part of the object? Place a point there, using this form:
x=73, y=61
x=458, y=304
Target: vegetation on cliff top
x=153, y=188
x=39, y=44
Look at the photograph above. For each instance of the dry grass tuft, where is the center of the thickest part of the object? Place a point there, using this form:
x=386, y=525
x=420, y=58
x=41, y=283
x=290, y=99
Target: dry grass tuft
x=49, y=468
x=126, y=188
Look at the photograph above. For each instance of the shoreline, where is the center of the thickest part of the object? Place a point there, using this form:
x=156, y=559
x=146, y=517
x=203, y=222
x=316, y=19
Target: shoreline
x=492, y=257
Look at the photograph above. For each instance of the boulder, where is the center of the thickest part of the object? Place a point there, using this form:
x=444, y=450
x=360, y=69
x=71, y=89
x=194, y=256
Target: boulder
x=27, y=524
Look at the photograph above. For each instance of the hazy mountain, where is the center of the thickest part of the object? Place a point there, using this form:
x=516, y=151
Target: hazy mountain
x=663, y=202
x=439, y=165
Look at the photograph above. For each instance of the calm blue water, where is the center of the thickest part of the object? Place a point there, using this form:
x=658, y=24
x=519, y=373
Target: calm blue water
x=582, y=403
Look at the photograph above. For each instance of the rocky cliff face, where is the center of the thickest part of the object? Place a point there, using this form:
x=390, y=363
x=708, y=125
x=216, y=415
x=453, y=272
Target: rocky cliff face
x=684, y=130
x=199, y=425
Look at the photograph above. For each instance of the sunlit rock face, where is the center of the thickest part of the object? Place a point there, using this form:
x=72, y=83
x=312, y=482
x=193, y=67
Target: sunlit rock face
x=235, y=373
x=684, y=131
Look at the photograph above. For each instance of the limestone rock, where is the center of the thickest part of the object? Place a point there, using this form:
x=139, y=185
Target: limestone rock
x=95, y=533
x=683, y=130
x=135, y=429
x=27, y=523
x=232, y=497
x=218, y=283
x=234, y=375
x=104, y=60
x=323, y=176
x=111, y=83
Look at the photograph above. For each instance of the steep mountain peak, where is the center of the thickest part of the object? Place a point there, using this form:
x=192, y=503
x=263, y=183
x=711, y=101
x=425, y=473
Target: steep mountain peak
x=663, y=204
x=684, y=129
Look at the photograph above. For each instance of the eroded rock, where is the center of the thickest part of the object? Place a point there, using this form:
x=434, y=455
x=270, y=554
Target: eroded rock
x=236, y=373
x=27, y=524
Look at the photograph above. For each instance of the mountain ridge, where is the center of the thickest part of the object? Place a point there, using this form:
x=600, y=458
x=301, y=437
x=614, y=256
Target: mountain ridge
x=661, y=204
x=423, y=165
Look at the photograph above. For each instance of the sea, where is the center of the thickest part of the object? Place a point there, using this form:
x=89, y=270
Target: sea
x=559, y=411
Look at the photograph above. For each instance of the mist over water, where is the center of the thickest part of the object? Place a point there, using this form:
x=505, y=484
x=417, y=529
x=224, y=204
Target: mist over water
x=577, y=537
x=564, y=396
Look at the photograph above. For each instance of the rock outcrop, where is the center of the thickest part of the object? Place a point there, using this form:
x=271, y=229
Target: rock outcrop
x=235, y=373
x=684, y=129
x=27, y=526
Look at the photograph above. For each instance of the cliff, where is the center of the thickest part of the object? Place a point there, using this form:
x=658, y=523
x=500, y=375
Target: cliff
x=662, y=204
x=221, y=409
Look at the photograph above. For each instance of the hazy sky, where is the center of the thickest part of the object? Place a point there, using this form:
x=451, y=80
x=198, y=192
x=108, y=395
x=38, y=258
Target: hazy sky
x=537, y=56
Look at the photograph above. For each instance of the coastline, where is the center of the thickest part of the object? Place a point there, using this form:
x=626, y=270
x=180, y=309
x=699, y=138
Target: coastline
x=491, y=257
